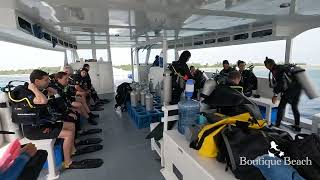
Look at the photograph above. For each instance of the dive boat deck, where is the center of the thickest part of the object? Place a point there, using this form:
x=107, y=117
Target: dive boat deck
x=126, y=153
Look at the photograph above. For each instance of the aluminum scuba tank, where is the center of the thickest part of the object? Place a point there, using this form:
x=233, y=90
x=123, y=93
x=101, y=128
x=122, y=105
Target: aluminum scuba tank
x=138, y=90
x=6, y=120
x=143, y=97
x=305, y=82
x=151, y=86
x=149, y=102
x=158, y=90
x=133, y=98
x=208, y=87
x=167, y=87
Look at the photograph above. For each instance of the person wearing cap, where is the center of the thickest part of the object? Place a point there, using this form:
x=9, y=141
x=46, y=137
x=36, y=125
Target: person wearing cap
x=226, y=68
x=288, y=87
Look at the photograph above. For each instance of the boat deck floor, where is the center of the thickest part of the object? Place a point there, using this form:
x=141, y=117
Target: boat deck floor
x=126, y=153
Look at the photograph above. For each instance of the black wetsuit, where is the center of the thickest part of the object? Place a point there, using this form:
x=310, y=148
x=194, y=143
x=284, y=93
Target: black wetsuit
x=199, y=82
x=249, y=82
x=44, y=121
x=225, y=72
x=290, y=90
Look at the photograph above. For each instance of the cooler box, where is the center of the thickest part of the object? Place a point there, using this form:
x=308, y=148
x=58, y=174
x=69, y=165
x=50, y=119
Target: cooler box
x=273, y=113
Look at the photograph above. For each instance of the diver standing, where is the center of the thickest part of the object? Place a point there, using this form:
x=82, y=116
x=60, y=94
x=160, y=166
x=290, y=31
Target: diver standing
x=181, y=73
x=249, y=81
x=289, y=88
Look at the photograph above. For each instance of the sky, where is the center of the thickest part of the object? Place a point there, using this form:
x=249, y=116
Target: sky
x=305, y=49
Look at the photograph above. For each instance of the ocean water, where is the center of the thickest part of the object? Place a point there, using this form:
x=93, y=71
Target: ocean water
x=307, y=107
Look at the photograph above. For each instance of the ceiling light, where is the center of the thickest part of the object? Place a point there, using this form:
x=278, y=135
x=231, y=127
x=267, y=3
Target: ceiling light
x=285, y=5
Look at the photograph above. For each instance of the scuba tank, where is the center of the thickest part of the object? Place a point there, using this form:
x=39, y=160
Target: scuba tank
x=6, y=120
x=208, y=87
x=138, y=90
x=305, y=82
x=167, y=87
x=149, y=102
x=143, y=97
x=151, y=86
x=158, y=90
x=133, y=98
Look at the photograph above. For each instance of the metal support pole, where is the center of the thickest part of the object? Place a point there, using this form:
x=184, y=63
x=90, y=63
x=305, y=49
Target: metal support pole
x=288, y=50
x=108, y=39
x=65, y=58
x=164, y=49
x=148, y=50
x=132, y=66
x=94, y=53
x=93, y=50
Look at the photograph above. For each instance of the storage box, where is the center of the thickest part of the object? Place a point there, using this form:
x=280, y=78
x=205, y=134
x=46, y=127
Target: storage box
x=58, y=153
x=274, y=113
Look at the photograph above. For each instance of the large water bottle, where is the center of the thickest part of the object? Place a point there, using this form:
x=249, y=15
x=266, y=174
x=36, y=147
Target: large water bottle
x=189, y=109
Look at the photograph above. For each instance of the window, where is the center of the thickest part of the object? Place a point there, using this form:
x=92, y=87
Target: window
x=262, y=33
x=27, y=58
x=224, y=39
x=47, y=36
x=197, y=43
x=85, y=53
x=102, y=53
x=210, y=41
x=241, y=36
x=25, y=25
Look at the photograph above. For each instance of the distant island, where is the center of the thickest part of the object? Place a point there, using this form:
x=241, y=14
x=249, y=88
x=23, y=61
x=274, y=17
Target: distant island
x=49, y=70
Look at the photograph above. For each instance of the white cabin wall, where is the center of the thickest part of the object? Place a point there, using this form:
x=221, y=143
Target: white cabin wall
x=101, y=74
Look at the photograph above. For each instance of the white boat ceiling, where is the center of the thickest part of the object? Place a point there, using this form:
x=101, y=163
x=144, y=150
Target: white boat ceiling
x=126, y=22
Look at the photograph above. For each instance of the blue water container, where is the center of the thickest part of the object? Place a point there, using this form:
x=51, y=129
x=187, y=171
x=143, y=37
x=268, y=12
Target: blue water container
x=189, y=110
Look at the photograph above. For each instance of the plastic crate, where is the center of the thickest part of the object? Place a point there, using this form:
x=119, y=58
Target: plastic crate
x=58, y=153
x=143, y=118
x=274, y=113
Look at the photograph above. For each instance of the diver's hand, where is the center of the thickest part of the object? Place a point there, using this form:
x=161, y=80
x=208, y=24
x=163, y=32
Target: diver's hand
x=32, y=87
x=274, y=99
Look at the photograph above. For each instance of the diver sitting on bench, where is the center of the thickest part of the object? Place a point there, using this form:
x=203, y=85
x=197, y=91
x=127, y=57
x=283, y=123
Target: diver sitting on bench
x=29, y=97
x=230, y=100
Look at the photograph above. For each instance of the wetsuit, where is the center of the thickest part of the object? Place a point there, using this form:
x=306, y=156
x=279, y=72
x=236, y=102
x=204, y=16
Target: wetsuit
x=289, y=88
x=45, y=120
x=249, y=82
x=181, y=73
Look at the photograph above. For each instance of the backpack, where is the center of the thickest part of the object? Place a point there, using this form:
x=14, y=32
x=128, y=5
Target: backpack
x=123, y=95
x=236, y=142
x=206, y=142
x=306, y=146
